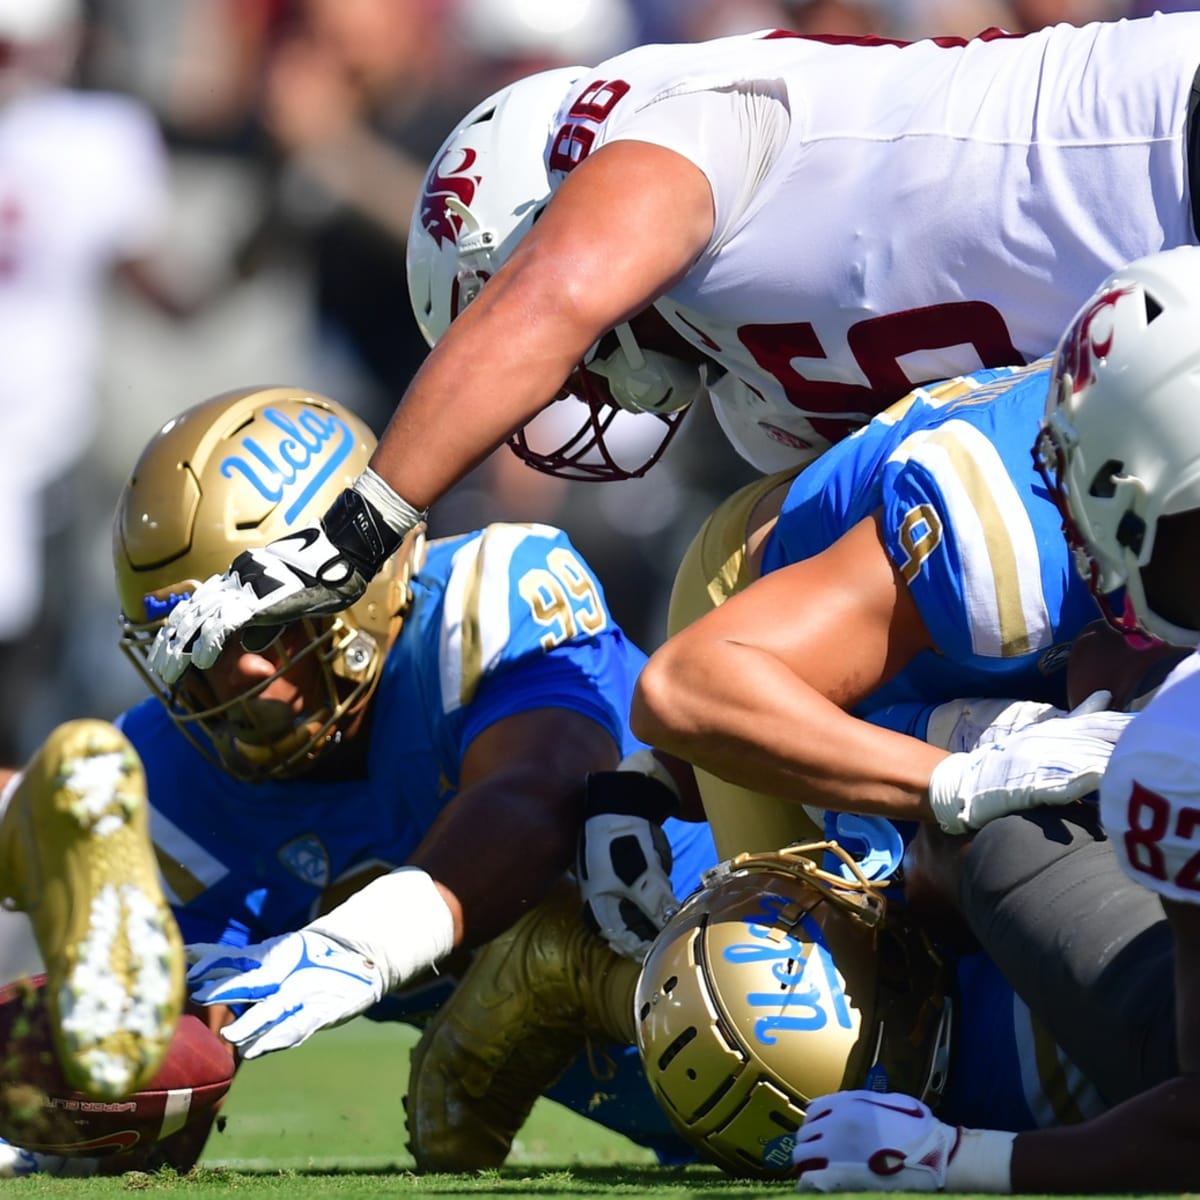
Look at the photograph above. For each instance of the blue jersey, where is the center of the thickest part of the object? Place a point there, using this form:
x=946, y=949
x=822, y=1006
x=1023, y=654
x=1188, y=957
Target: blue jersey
x=969, y=527
x=503, y=621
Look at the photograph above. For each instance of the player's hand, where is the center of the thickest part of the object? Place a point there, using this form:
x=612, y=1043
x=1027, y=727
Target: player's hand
x=1055, y=761
x=980, y=721
x=295, y=985
x=302, y=574
x=624, y=859
x=872, y=1142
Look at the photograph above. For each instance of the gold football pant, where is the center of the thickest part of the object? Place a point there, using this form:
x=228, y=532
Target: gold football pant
x=720, y=562
x=527, y=1006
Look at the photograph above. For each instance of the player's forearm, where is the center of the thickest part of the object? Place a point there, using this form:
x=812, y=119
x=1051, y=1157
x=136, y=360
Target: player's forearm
x=499, y=853
x=1147, y=1144
x=742, y=715
x=498, y=365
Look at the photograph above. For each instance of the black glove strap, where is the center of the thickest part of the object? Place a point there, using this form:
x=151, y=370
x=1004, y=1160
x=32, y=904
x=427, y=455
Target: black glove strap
x=629, y=793
x=357, y=528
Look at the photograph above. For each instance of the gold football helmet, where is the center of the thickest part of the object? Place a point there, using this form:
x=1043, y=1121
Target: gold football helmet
x=234, y=472
x=778, y=981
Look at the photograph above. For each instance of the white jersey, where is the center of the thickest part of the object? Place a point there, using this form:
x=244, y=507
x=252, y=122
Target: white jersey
x=1150, y=796
x=891, y=213
x=83, y=185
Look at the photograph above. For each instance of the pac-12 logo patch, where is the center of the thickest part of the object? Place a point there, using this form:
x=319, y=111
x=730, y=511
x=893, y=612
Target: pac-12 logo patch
x=307, y=858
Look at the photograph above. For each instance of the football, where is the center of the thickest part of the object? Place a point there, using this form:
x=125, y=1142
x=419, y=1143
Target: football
x=1102, y=658
x=39, y=1111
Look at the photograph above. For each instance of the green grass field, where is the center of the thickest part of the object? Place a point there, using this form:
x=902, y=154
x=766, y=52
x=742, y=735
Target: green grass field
x=324, y=1122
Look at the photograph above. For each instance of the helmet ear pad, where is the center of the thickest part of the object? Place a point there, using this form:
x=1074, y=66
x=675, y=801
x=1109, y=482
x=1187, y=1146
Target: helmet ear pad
x=775, y=983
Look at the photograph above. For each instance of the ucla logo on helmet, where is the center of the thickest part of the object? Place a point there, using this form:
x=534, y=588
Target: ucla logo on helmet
x=289, y=459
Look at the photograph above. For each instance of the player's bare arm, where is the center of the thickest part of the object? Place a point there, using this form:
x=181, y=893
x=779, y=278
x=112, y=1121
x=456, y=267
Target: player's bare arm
x=757, y=690
x=522, y=781
x=625, y=226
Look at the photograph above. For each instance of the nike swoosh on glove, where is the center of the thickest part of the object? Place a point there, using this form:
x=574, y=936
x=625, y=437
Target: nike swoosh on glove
x=864, y=1141
x=1052, y=762
x=295, y=985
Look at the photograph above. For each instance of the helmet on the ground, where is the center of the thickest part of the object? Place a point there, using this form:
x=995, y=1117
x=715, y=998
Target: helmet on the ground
x=1119, y=445
x=484, y=190
x=236, y=471
x=778, y=981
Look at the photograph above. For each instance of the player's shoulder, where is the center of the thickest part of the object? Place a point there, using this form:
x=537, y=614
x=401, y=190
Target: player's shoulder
x=511, y=580
x=974, y=434
x=494, y=553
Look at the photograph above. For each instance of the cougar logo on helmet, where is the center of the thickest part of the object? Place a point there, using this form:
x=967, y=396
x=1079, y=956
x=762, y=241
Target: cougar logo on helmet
x=1119, y=445
x=1081, y=348
x=440, y=223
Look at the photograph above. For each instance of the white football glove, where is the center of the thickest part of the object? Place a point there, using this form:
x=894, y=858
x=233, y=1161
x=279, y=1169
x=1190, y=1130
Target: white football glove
x=296, y=984
x=624, y=858
x=980, y=721
x=334, y=968
x=865, y=1141
x=872, y=1142
x=1054, y=761
x=316, y=570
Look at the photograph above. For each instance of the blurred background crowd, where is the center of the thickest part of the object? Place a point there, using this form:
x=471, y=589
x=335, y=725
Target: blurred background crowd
x=203, y=194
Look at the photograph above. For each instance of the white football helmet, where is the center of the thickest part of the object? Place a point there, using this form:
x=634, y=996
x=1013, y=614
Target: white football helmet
x=233, y=472
x=485, y=188
x=1119, y=445
x=778, y=981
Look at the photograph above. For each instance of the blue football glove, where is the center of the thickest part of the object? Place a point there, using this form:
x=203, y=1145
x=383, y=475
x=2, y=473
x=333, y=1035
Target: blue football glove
x=295, y=985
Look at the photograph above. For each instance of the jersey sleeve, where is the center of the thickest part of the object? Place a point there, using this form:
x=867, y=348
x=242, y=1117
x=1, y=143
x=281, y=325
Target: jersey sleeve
x=1150, y=794
x=733, y=133
x=961, y=531
x=525, y=624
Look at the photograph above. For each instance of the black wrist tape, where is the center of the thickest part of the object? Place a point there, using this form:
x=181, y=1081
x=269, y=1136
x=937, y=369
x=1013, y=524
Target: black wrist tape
x=629, y=793
x=357, y=528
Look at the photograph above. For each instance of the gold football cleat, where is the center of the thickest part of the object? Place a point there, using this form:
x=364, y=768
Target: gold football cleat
x=76, y=856
x=521, y=1014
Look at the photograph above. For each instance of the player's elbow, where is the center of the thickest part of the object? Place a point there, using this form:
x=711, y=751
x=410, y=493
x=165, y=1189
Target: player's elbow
x=661, y=713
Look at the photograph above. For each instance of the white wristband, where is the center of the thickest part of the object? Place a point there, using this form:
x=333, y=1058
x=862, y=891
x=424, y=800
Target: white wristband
x=399, y=921
x=982, y=1162
x=947, y=804
x=394, y=509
